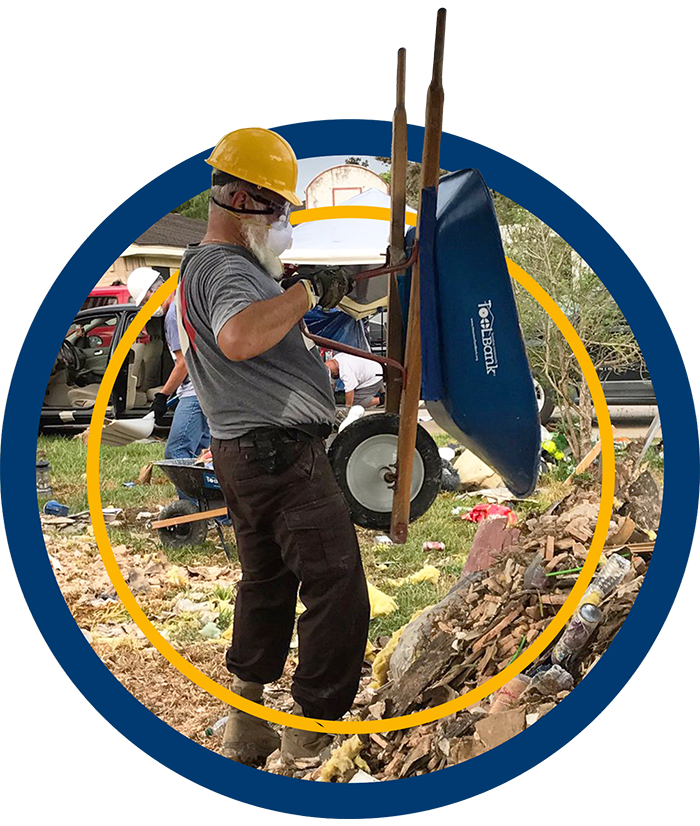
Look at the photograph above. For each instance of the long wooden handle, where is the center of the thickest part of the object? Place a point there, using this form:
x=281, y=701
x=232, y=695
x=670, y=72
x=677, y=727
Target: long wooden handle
x=399, y=162
x=190, y=517
x=408, y=417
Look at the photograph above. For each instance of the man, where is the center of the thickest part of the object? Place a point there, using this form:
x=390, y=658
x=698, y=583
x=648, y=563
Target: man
x=362, y=379
x=189, y=431
x=269, y=405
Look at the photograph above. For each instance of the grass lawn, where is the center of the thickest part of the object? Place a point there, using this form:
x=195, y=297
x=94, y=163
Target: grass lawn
x=384, y=564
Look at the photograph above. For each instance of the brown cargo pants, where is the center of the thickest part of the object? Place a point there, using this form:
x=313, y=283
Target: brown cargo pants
x=294, y=535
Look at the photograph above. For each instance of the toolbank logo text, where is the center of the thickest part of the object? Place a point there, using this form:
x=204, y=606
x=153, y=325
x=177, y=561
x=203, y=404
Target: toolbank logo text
x=488, y=337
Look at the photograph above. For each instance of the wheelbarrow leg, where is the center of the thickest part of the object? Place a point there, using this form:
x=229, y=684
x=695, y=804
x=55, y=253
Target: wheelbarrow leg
x=220, y=532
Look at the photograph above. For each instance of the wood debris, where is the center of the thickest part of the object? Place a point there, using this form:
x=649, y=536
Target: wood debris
x=480, y=627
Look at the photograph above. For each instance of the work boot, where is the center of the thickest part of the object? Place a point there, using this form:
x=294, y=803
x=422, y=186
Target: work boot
x=248, y=739
x=298, y=744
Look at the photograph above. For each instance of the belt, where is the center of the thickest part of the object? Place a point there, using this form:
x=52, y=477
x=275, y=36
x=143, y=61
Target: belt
x=282, y=435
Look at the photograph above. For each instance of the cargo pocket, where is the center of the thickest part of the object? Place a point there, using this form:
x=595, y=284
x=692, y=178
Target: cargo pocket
x=323, y=537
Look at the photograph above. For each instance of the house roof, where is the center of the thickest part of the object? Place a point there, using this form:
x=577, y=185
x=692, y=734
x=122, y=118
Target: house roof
x=173, y=230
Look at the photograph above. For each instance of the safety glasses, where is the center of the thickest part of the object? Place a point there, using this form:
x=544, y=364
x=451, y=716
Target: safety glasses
x=152, y=289
x=272, y=208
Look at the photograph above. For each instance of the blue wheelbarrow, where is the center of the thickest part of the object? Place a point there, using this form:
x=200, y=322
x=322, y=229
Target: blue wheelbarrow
x=474, y=378
x=186, y=521
x=454, y=339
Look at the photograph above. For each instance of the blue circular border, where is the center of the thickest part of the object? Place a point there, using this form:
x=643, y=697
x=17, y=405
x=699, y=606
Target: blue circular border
x=148, y=732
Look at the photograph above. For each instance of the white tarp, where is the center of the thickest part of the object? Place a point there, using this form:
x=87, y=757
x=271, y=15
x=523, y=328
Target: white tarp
x=343, y=241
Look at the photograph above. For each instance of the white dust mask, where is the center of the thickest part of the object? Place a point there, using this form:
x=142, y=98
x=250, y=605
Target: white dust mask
x=279, y=237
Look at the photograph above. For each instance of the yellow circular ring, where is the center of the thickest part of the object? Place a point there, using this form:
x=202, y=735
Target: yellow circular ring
x=428, y=715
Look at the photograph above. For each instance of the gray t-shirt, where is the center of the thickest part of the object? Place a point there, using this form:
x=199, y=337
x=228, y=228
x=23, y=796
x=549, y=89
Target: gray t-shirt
x=286, y=386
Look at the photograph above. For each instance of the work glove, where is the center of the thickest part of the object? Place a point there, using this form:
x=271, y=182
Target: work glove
x=159, y=406
x=327, y=286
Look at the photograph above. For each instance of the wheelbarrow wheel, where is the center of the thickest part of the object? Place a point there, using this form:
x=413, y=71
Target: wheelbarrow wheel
x=189, y=533
x=363, y=458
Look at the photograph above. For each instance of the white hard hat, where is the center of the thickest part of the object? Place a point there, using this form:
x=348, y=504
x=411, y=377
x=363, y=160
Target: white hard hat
x=140, y=282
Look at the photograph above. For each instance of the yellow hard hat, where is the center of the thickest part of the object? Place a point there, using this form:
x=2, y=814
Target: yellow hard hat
x=260, y=157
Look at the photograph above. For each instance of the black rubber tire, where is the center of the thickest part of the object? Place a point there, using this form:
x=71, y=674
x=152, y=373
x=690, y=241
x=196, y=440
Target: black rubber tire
x=180, y=536
x=377, y=424
x=547, y=403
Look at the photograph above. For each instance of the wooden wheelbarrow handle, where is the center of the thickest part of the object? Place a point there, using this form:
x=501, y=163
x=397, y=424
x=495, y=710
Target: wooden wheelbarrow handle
x=190, y=517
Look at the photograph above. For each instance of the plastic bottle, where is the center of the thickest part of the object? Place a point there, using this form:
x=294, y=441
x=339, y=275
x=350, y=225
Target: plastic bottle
x=576, y=634
x=606, y=581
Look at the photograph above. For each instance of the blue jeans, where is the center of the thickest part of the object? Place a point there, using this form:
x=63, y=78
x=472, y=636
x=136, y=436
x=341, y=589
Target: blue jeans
x=189, y=432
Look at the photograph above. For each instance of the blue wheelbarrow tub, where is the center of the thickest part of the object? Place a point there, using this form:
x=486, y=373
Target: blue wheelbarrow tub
x=477, y=383
x=197, y=481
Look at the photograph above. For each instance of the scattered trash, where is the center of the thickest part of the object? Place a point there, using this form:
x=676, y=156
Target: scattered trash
x=552, y=681
x=211, y=631
x=473, y=473
x=128, y=484
x=607, y=580
x=362, y=777
x=382, y=539
x=211, y=730
x=54, y=508
x=380, y=603
x=447, y=454
x=449, y=479
x=380, y=666
x=111, y=514
x=582, y=624
x=433, y=546
x=343, y=761
x=535, y=576
x=187, y=606
x=490, y=511
x=498, y=495
x=124, y=431
x=43, y=477
x=428, y=573
x=507, y=696
x=486, y=621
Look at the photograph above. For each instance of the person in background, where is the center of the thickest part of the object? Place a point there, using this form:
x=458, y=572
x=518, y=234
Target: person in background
x=363, y=379
x=189, y=431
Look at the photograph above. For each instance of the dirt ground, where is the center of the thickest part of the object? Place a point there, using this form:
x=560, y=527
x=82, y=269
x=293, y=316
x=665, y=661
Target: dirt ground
x=165, y=591
x=491, y=611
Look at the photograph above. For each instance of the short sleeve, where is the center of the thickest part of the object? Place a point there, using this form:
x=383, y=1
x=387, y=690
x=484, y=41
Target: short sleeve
x=347, y=375
x=227, y=294
x=172, y=334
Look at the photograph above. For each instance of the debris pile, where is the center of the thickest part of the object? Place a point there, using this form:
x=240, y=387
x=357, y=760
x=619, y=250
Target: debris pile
x=514, y=582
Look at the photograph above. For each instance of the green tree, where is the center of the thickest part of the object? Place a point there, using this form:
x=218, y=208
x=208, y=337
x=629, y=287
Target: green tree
x=197, y=207
x=595, y=316
x=354, y=161
x=413, y=171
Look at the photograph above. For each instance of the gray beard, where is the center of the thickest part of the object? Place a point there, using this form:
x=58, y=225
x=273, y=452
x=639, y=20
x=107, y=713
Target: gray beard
x=270, y=262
